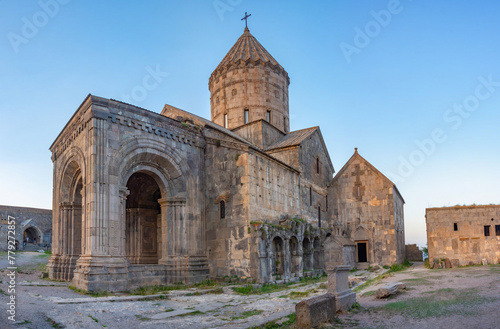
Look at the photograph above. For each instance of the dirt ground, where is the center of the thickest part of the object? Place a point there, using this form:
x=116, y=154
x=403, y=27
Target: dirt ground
x=449, y=298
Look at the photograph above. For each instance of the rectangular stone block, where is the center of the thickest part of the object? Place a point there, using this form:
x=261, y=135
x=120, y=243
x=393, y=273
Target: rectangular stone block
x=314, y=311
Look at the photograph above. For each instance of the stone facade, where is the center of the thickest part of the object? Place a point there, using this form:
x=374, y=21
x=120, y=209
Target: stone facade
x=368, y=208
x=464, y=234
x=33, y=227
x=146, y=198
x=413, y=253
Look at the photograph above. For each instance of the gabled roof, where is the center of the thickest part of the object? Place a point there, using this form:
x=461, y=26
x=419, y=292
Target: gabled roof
x=293, y=138
x=368, y=164
x=247, y=48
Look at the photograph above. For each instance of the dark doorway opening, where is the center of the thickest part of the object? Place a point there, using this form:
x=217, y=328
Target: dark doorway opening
x=362, y=252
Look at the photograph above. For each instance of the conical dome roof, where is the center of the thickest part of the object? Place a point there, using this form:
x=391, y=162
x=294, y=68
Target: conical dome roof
x=247, y=49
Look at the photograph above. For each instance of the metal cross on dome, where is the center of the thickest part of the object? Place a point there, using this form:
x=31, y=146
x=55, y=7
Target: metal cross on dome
x=246, y=19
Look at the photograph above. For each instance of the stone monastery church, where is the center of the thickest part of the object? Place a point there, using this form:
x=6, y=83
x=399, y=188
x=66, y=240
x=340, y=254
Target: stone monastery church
x=146, y=198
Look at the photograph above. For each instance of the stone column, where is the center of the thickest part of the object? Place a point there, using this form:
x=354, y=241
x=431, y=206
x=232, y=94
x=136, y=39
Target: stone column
x=287, y=259
x=338, y=285
x=122, y=194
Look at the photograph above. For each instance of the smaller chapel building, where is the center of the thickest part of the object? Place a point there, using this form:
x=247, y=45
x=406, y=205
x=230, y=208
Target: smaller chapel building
x=368, y=208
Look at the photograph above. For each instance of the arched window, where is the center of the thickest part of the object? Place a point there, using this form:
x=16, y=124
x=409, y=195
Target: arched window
x=268, y=116
x=222, y=209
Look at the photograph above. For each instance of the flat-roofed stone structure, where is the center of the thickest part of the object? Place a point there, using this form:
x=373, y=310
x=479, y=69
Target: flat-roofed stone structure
x=464, y=234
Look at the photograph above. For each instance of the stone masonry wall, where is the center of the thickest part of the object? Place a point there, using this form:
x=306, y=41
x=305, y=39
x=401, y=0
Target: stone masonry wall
x=362, y=201
x=459, y=233
x=41, y=219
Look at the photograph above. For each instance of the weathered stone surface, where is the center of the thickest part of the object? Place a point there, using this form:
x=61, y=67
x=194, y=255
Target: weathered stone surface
x=338, y=285
x=368, y=209
x=413, y=253
x=146, y=198
x=311, y=313
x=447, y=263
x=465, y=233
x=33, y=227
x=390, y=289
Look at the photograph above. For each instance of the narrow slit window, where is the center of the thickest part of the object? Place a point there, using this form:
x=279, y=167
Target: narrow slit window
x=486, y=230
x=455, y=227
x=225, y=120
x=317, y=165
x=497, y=230
x=284, y=124
x=222, y=209
x=246, y=116
x=326, y=201
x=319, y=216
x=310, y=196
x=268, y=116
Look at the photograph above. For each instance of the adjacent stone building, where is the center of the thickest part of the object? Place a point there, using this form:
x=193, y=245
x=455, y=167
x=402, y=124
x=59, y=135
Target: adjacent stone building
x=147, y=198
x=368, y=208
x=33, y=228
x=464, y=234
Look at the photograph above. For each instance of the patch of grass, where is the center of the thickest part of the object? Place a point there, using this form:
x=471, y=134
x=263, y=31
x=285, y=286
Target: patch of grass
x=265, y=289
x=315, y=279
x=442, y=302
x=323, y=286
x=90, y=316
x=24, y=322
x=394, y=268
x=151, y=290
x=53, y=323
x=355, y=307
x=206, y=284
x=301, y=294
x=141, y=318
x=191, y=313
x=169, y=310
x=369, y=293
x=247, y=314
x=42, y=268
x=417, y=282
x=98, y=293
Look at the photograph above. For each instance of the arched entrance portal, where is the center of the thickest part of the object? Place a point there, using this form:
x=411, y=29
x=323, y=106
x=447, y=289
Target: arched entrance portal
x=277, y=248
x=143, y=220
x=317, y=254
x=295, y=256
x=68, y=225
x=306, y=247
x=32, y=236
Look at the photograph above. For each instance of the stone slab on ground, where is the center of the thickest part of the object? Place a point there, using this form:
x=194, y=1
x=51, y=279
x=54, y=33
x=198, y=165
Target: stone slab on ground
x=390, y=289
x=312, y=312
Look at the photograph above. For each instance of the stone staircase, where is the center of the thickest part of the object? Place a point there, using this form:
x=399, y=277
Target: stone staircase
x=32, y=247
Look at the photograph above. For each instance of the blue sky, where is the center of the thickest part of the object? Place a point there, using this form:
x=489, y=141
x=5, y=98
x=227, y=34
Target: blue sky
x=415, y=85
